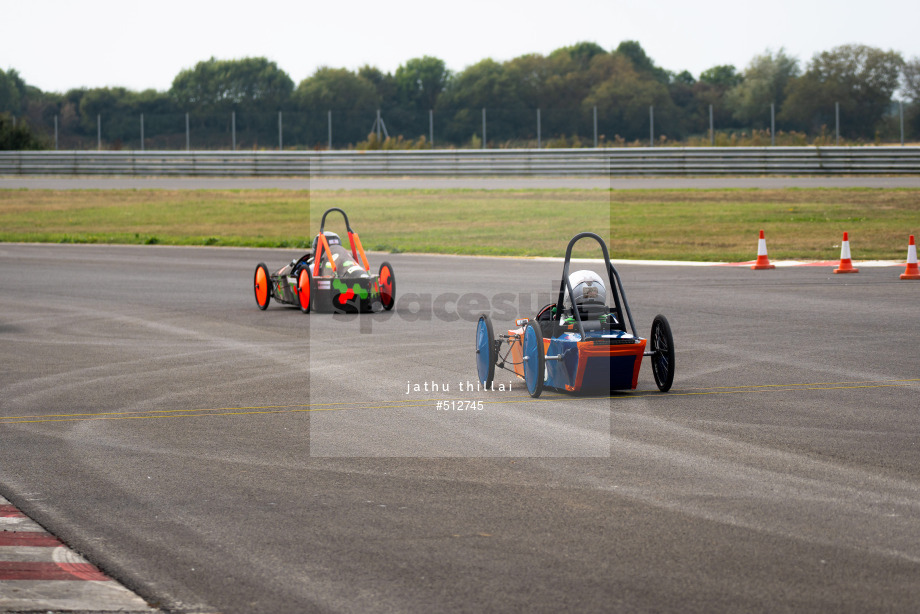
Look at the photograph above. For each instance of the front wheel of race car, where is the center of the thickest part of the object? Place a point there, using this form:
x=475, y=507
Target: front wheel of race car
x=534, y=358
x=262, y=286
x=662, y=353
x=304, y=281
x=387, y=281
x=485, y=351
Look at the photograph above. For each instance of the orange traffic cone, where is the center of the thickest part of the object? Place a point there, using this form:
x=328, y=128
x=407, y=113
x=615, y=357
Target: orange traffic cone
x=912, y=271
x=762, y=261
x=846, y=265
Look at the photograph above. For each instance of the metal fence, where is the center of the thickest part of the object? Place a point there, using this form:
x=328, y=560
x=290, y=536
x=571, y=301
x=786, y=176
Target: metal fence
x=329, y=129
x=493, y=162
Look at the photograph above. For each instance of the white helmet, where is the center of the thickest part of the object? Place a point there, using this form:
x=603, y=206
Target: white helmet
x=331, y=239
x=589, y=292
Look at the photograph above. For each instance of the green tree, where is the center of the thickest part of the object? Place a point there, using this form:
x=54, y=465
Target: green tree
x=420, y=81
x=860, y=78
x=11, y=86
x=911, y=74
x=417, y=85
x=18, y=137
x=570, y=76
x=110, y=103
x=634, y=52
x=623, y=95
x=724, y=75
x=483, y=85
x=765, y=82
x=352, y=99
x=384, y=83
x=249, y=84
x=336, y=88
x=580, y=54
x=911, y=71
x=684, y=77
x=711, y=90
x=531, y=76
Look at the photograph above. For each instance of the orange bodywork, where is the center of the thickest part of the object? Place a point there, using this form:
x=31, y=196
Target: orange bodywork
x=587, y=350
x=323, y=245
x=358, y=253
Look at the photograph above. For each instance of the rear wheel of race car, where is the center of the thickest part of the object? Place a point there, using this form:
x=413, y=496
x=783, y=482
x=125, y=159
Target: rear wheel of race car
x=262, y=286
x=662, y=342
x=534, y=358
x=485, y=351
x=387, y=281
x=304, y=279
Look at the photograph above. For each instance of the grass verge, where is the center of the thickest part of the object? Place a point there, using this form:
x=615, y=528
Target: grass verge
x=708, y=225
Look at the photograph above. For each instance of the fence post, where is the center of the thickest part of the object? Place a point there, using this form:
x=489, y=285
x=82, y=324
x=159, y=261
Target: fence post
x=901, y=113
x=484, y=142
x=280, y=135
x=377, y=125
x=651, y=126
x=595, y=127
x=539, y=131
x=233, y=128
x=330, y=131
x=431, y=128
x=773, y=123
x=712, y=129
x=837, y=122
x=142, y=132
x=56, y=133
x=188, y=136
x=99, y=132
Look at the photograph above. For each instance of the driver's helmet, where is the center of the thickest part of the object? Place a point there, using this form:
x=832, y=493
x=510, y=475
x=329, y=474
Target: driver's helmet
x=590, y=295
x=331, y=238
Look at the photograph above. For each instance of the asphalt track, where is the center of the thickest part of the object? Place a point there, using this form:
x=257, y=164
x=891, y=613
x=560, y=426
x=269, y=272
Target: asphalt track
x=216, y=458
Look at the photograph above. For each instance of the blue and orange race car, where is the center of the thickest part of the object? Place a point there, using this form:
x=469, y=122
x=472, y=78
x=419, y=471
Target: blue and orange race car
x=328, y=278
x=578, y=343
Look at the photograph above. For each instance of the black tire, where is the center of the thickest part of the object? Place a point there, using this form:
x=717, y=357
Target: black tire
x=534, y=355
x=262, y=286
x=485, y=351
x=304, y=286
x=386, y=280
x=662, y=342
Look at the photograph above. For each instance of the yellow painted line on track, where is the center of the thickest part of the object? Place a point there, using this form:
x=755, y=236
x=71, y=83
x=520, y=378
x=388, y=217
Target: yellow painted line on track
x=884, y=381
x=408, y=403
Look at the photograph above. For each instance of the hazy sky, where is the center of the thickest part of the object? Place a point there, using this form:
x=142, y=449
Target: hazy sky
x=61, y=44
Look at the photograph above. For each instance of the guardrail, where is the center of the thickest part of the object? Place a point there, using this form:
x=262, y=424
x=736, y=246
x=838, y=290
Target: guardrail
x=482, y=162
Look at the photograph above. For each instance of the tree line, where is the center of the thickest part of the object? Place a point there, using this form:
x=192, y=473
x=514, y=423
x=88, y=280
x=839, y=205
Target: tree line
x=579, y=90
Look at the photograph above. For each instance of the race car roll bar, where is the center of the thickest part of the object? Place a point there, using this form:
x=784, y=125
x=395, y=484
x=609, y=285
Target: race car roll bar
x=322, y=223
x=322, y=246
x=613, y=276
x=357, y=250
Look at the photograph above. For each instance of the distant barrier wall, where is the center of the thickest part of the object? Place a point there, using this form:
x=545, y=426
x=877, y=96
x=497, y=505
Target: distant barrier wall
x=482, y=162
